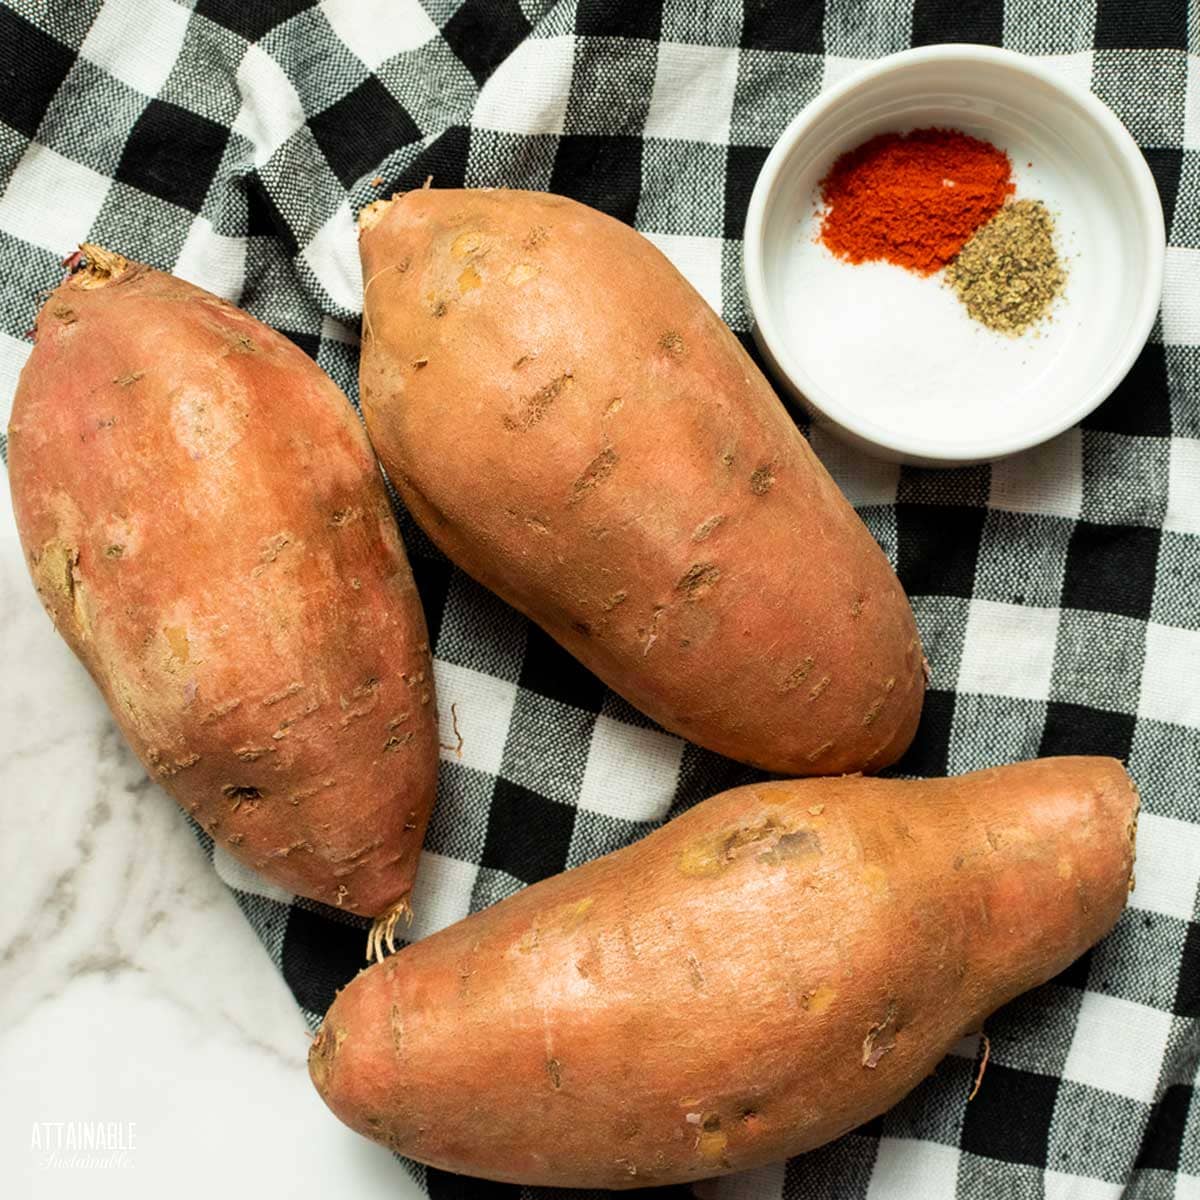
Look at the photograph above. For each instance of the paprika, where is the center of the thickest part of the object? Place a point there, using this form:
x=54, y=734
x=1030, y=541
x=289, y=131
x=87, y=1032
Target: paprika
x=912, y=199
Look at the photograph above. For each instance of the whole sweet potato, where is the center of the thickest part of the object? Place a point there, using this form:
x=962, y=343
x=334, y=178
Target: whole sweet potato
x=764, y=973
x=575, y=427
x=207, y=527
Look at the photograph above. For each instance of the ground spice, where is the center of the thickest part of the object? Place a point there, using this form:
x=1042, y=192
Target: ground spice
x=912, y=199
x=1009, y=273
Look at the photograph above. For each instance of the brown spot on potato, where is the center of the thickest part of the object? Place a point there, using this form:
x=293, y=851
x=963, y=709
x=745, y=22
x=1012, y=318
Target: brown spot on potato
x=240, y=794
x=282, y=694
x=437, y=308
x=221, y=710
x=582, y=628
x=322, y=1054
x=180, y=764
x=596, y=472
x=614, y=406
x=419, y=364
x=796, y=676
x=535, y=406
x=343, y=516
x=537, y=236
x=64, y=313
x=872, y=713
x=698, y=580
x=768, y=841
x=818, y=687
x=395, y=741
x=615, y=599
x=672, y=343
x=114, y=551
x=707, y=527
x=880, y=1039
x=823, y=749
x=554, y=1070
x=694, y=971
x=727, y=457
x=762, y=479
x=129, y=378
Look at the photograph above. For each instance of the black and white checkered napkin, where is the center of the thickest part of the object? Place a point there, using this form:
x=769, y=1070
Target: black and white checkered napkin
x=1058, y=593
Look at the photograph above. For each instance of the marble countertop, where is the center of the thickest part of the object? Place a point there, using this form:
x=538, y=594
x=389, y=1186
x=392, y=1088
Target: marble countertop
x=133, y=995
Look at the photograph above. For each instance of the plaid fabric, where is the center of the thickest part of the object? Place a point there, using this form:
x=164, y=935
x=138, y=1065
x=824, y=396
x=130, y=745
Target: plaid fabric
x=1058, y=593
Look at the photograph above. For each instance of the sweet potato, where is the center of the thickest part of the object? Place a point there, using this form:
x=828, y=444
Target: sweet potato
x=764, y=973
x=206, y=525
x=575, y=427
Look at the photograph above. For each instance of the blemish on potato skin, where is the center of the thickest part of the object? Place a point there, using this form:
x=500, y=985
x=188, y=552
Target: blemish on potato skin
x=521, y=274
x=129, y=378
x=796, y=676
x=614, y=600
x=707, y=527
x=880, y=1039
x=762, y=479
x=275, y=697
x=242, y=795
x=712, y=1144
x=818, y=687
x=554, y=1070
x=819, y=999
x=534, y=407
x=468, y=281
x=596, y=472
x=697, y=976
x=614, y=406
x=116, y=550
x=672, y=343
x=698, y=580
x=768, y=841
x=822, y=749
x=466, y=244
x=177, y=640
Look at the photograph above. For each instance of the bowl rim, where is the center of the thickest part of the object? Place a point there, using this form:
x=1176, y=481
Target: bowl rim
x=929, y=449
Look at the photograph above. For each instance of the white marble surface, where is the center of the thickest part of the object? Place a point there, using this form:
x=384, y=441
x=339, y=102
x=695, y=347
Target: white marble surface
x=131, y=988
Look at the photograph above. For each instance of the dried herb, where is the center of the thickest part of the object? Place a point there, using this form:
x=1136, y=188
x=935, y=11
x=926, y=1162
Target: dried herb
x=1009, y=273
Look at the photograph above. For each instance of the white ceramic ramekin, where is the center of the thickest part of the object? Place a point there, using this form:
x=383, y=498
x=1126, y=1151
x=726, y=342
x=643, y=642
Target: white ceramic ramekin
x=889, y=360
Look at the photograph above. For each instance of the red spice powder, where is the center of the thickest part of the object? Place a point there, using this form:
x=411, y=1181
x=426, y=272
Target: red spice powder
x=912, y=199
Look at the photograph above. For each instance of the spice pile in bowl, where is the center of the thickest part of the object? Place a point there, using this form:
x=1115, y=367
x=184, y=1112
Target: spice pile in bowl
x=939, y=199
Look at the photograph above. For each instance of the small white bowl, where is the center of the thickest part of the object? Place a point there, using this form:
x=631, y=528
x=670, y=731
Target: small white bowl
x=889, y=360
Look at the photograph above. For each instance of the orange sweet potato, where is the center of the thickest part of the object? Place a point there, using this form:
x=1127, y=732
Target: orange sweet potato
x=207, y=527
x=764, y=973
x=575, y=427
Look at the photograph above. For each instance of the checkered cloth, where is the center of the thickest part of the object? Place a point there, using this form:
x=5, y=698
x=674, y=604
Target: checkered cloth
x=1058, y=593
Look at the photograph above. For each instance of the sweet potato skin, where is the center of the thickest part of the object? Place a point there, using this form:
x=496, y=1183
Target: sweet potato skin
x=206, y=525
x=764, y=973
x=576, y=428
